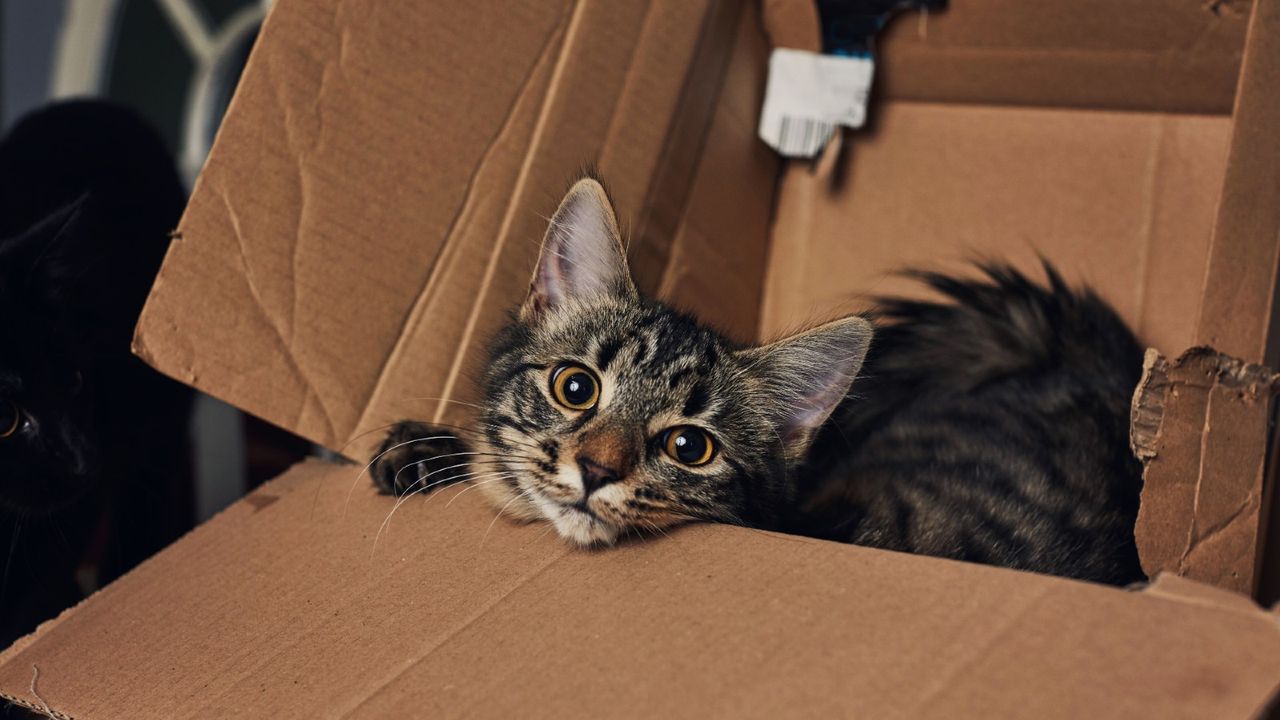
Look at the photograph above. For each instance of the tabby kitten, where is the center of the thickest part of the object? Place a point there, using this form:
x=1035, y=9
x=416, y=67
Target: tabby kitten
x=993, y=430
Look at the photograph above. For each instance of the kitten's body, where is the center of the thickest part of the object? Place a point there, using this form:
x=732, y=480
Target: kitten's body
x=993, y=430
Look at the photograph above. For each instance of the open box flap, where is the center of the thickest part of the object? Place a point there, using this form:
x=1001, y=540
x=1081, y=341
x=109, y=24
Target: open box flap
x=1147, y=55
x=373, y=205
x=1144, y=55
x=301, y=601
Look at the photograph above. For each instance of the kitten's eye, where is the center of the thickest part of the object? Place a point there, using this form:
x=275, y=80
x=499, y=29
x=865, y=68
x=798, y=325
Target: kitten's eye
x=575, y=387
x=10, y=418
x=689, y=445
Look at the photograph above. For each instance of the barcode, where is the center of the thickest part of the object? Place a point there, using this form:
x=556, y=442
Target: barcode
x=808, y=96
x=801, y=137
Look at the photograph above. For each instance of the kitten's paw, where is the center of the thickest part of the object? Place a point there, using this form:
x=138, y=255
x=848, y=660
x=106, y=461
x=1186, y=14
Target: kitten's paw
x=416, y=456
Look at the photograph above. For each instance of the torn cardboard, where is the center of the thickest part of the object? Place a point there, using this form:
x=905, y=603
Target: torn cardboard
x=289, y=604
x=1211, y=412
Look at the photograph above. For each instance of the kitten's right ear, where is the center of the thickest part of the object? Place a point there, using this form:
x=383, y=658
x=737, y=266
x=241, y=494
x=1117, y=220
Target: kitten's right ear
x=582, y=255
x=807, y=375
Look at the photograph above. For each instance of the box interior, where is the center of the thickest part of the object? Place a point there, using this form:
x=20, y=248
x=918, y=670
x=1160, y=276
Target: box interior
x=1121, y=201
x=371, y=208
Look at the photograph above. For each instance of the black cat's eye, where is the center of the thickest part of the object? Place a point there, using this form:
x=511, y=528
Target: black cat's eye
x=575, y=387
x=689, y=445
x=10, y=418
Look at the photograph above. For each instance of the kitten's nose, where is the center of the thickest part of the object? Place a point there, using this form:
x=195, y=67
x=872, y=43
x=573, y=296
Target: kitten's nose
x=595, y=475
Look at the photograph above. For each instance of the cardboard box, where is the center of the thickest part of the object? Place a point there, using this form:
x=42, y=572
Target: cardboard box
x=373, y=206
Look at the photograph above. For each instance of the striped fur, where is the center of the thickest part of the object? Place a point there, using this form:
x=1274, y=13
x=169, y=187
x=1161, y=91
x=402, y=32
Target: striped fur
x=991, y=428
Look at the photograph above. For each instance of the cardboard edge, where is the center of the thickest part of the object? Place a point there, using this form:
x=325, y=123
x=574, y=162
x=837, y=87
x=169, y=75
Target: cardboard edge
x=1244, y=253
x=43, y=710
x=268, y=492
x=1180, y=589
x=1194, y=422
x=264, y=494
x=1147, y=407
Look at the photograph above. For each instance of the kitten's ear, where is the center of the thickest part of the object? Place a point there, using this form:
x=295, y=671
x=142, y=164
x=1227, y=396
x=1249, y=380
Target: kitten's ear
x=807, y=375
x=582, y=255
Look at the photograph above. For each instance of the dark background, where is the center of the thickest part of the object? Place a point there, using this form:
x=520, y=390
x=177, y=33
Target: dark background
x=176, y=62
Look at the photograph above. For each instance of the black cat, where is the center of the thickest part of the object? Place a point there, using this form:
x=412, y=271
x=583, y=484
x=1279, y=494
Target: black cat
x=94, y=458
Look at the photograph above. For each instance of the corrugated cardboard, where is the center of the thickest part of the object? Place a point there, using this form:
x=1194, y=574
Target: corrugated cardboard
x=290, y=605
x=1208, y=411
x=373, y=205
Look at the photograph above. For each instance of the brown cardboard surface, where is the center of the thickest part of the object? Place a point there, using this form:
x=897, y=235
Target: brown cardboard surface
x=1239, y=285
x=1212, y=413
x=1122, y=201
x=282, y=606
x=1133, y=55
x=717, y=244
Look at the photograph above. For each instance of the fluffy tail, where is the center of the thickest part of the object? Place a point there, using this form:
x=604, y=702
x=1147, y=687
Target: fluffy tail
x=999, y=326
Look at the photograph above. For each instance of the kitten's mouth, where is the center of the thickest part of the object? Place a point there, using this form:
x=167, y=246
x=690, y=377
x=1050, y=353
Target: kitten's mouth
x=579, y=524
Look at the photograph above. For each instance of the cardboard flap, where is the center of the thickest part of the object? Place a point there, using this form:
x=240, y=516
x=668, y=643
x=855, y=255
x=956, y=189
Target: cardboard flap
x=1176, y=587
x=1138, y=55
x=1238, y=312
x=372, y=208
x=324, y=608
x=1201, y=424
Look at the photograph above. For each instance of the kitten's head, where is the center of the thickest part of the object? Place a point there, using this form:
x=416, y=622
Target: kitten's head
x=614, y=412
x=46, y=450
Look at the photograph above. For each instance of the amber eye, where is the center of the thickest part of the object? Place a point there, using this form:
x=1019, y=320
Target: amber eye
x=689, y=445
x=575, y=387
x=10, y=418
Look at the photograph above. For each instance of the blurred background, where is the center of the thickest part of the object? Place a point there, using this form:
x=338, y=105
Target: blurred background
x=176, y=63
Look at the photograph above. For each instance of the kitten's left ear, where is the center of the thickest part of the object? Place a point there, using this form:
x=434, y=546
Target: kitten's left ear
x=582, y=255
x=807, y=375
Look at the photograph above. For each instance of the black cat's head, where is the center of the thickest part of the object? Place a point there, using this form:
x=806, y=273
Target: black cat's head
x=613, y=412
x=47, y=449
x=88, y=195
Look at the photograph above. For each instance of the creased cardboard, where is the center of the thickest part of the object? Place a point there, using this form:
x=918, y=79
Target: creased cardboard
x=451, y=615
x=584, y=84
x=1208, y=411
x=372, y=207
